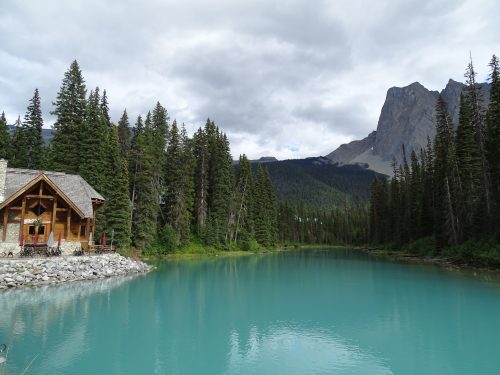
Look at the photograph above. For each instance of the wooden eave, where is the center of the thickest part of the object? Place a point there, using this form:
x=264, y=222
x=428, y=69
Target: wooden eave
x=29, y=185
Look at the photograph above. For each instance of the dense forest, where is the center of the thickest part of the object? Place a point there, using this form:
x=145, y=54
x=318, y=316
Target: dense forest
x=446, y=198
x=163, y=189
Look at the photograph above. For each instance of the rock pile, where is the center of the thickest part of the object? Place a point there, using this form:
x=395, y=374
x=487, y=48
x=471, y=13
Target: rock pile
x=40, y=271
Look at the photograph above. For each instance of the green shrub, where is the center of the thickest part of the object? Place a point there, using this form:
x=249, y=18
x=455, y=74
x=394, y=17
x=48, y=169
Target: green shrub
x=250, y=245
x=423, y=246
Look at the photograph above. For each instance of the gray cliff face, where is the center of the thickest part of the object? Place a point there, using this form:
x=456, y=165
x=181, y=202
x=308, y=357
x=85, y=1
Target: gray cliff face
x=407, y=118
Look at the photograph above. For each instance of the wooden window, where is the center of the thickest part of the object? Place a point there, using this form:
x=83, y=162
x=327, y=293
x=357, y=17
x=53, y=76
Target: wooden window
x=31, y=230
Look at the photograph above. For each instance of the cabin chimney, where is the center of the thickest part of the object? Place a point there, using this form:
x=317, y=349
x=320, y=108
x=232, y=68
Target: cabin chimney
x=3, y=175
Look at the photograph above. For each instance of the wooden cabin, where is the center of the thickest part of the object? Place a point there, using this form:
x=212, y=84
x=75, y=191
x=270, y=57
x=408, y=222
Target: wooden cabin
x=40, y=202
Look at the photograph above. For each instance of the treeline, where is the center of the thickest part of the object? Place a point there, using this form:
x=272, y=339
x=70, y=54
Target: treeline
x=163, y=188
x=448, y=193
x=302, y=224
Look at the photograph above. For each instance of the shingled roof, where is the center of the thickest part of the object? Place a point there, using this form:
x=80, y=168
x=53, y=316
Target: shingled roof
x=73, y=186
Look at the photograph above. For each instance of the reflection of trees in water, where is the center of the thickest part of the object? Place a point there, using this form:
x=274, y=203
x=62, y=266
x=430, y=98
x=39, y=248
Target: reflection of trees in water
x=43, y=304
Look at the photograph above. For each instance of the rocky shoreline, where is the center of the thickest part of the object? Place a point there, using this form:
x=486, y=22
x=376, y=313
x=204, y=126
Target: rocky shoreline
x=42, y=271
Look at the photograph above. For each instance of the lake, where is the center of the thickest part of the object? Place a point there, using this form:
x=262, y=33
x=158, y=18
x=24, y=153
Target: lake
x=312, y=311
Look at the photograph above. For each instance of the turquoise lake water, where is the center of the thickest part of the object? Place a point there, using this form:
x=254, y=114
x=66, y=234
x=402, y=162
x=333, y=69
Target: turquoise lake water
x=297, y=312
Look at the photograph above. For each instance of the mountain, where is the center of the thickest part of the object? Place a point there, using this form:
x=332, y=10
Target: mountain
x=47, y=134
x=407, y=118
x=319, y=183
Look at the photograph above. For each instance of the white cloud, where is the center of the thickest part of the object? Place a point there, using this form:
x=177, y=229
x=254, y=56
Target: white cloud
x=287, y=79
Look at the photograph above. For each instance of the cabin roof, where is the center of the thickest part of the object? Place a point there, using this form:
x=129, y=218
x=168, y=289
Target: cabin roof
x=74, y=187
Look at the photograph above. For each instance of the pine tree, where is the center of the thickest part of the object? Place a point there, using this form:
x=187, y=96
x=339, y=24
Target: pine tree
x=145, y=201
x=19, y=156
x=179, y=183
x=124, y=135
x=265, y=210
x=220, y=181
x=493, y=133
x=474, y=98
x=242, y=227
x=447, y=226
x=32, y=127
x=469, y=169
x=117, y=207
x=93, y=142
x=201, y=155
x=4, y=138
x=70, y=110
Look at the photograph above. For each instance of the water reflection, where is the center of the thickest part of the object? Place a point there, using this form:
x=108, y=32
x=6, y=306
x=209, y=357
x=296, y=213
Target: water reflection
x=284, y=350
x=30, y=318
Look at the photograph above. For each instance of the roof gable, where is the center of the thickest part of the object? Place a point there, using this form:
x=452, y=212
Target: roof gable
x=72, y=188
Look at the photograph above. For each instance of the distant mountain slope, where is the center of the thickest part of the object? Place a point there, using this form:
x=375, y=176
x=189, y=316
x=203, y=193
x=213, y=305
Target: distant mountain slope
x=319, y=183
x=407, y=117
x=47, y=134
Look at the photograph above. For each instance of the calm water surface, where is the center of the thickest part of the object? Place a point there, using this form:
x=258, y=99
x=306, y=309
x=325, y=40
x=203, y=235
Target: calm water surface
x=300, y=312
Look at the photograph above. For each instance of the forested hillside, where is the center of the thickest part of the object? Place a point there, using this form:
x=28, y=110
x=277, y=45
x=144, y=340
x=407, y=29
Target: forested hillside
x=319, y=184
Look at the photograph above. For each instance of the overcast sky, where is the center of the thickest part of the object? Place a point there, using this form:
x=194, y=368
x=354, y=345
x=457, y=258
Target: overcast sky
x=282, y=78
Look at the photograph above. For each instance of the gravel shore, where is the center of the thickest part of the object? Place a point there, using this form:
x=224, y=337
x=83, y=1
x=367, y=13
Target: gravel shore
x=42, y=271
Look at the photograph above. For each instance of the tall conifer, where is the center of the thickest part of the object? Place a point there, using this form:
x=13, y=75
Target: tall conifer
x=70, y=111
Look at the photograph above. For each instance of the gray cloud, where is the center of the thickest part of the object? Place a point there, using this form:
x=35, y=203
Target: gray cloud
x=285, y=78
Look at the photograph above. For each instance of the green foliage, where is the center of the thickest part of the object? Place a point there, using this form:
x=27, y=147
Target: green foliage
x=32, y=128
x=4, y=138
x=168, y=238
x=18, y=157
x=145, y=199
x=423, y=246
x=124, y=135
x=70, y=111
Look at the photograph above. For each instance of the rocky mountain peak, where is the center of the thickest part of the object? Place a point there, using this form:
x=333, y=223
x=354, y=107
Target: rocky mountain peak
x=407, y=118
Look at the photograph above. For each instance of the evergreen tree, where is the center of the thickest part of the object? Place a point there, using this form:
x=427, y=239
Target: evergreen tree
x=70, y=110
x=469, y=169
x=32, y=127
x=4, y=138
x=493, y=133
x=18, y=157
x=93, y=142
x=117, y=207
x=179, y=183
x=124, y=135
x=447, y=228
x=201, y=155
x=242, y=225
x=145, y=199
x=474, y=98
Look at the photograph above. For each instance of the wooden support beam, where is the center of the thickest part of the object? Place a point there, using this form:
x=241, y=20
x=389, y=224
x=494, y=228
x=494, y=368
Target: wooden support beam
x=23, y=211
x=40, y=196
x=5, y=219
x=40, y=191
x=87, y=233
x=61, y=209
x=54, y=210
x=68, y=224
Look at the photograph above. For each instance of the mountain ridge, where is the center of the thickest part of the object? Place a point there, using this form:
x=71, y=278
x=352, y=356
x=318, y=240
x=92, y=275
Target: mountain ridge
x=406, y=118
